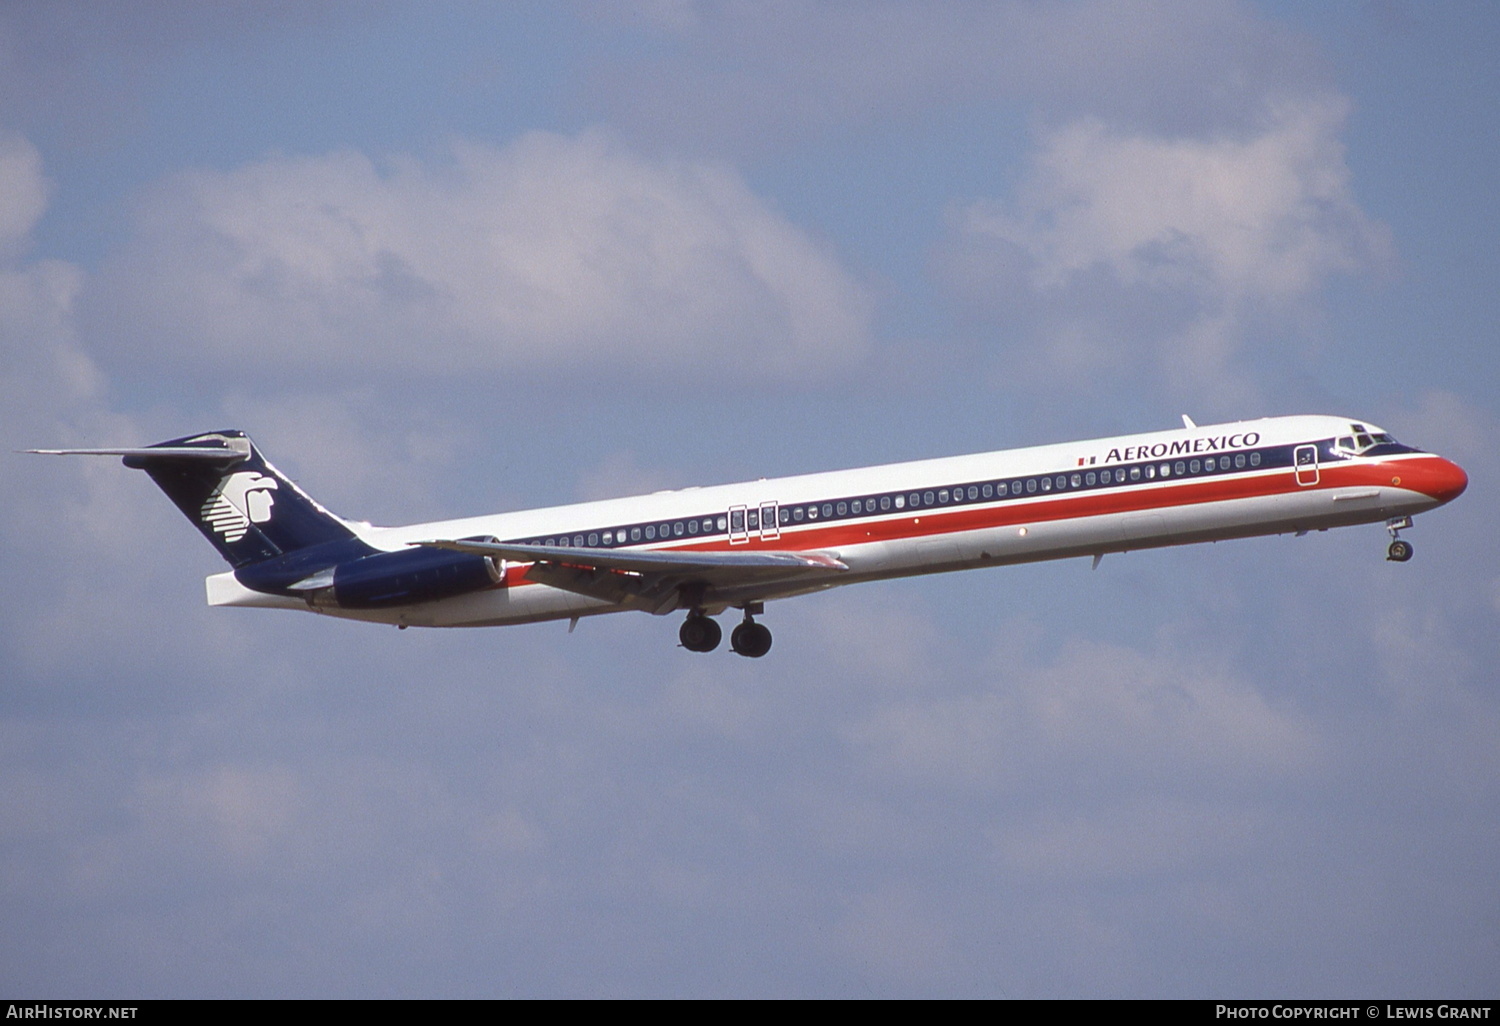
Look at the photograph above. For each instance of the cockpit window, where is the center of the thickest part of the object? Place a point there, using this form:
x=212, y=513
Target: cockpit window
x=1361, y=441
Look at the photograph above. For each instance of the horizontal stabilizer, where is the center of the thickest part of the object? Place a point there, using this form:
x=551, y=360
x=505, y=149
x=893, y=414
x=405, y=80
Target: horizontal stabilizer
x=196, y=452
x=246, y=508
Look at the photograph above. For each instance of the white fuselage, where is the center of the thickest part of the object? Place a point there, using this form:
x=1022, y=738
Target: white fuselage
x=1086, y=498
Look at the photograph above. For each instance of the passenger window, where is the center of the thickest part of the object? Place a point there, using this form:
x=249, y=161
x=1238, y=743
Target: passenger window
x=828, y=509
x=1046, y=484
x=1091, y=479
x=1151, y=472
x=1062, y=481
x=989, y=490
x=842, y=509
x=785, y=515
x=900, y=502
x=1239, y=460
x=692, y=527
x=753, y=518
x=798, y=514
x=974, y=492
x=677, y=528
x=928, y=498
x=885, y=502
x=1001, y=489
x=1165, y=470
x=1195, y=466
x=635, y=534
x=1030, y=485
x=594, y=539
x=1135, y=473
x=1076, y=480
x=1180, y=468
x=1255, y=459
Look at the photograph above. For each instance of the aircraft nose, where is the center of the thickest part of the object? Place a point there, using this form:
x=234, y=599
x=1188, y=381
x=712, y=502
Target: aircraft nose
x=1444, y=480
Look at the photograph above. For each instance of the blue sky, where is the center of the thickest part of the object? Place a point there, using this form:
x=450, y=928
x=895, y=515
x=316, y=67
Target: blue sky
x=457, y=258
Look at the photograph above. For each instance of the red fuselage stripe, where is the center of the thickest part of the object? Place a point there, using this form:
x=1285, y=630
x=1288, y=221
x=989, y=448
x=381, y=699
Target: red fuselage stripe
x=1135, y=498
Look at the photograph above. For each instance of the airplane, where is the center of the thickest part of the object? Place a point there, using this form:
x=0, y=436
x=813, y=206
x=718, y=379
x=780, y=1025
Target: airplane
x=706, y=550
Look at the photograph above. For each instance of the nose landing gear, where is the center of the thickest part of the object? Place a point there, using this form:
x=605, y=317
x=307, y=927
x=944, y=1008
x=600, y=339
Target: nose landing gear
x=1399, y=551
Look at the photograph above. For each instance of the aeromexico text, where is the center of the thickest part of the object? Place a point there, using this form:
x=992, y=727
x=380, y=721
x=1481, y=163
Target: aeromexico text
x=1184, y=447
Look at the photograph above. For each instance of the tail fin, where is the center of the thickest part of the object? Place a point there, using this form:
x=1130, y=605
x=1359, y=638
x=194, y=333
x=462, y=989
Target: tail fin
x=243, y=505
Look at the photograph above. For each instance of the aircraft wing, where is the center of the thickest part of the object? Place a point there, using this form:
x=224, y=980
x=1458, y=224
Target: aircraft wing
x=651, y=579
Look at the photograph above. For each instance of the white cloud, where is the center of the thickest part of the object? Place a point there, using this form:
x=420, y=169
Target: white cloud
x=569, y=254
x=1099, y=713
x=1127, y=246
x=23, y=190
x=43, y=365
x=362, y=456
x=64, y=519
x=1267, y=216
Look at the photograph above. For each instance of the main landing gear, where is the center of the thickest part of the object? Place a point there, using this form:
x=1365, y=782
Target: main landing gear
x=750, y=638
x=1399, y=551
x=700, y=633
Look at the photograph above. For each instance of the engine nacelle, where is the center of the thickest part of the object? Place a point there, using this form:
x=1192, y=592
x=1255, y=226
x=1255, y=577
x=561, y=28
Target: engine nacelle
x=409, y=576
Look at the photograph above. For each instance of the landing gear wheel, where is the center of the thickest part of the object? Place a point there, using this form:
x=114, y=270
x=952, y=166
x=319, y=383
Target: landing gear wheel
x=751, y=639
x=700, y=634
x=1400, y=551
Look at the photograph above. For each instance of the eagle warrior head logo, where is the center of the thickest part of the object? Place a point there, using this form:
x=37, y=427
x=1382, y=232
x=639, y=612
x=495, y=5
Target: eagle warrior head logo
x=240, y=500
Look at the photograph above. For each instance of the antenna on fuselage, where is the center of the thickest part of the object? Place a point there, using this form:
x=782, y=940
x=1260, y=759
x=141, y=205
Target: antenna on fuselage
x=1187, y=422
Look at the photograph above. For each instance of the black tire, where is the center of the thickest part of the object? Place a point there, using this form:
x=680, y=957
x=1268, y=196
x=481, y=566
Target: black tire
x=1399, y=552
x=752, y=640
x=700, y=634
